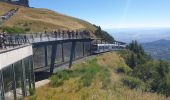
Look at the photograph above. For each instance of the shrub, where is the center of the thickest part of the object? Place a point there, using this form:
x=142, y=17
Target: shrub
x=32, y=91
x=27, y=29
x=58, y=79
x=164, y=86
x=123, y=69
x=133, y=83
x=13, y=30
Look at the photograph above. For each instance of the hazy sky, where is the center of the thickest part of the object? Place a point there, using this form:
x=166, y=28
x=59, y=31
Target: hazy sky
x=113, y=13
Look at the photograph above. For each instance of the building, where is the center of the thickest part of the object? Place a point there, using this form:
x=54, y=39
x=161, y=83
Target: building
x=18, y=2
x=16, y=73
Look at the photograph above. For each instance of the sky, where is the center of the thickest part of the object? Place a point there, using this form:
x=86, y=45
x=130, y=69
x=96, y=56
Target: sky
x=113, y=13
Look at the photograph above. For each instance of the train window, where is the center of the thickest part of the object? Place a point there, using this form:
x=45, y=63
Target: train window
x=94, y=47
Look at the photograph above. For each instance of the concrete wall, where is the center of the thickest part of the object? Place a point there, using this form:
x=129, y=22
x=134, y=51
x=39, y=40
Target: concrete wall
x=15, y=55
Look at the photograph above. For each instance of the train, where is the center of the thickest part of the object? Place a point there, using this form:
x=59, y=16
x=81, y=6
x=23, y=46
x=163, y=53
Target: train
x=101, y=48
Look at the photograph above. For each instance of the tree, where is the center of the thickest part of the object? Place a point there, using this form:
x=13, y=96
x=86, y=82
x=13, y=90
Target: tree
x=103, y=34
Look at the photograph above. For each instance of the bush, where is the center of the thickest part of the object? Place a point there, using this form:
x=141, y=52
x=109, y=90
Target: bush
x=133, y=83
x=164, y=86
x=124, y=70
x=32, y=91
x=13, y=30
x=58, y=79
x=27, y=29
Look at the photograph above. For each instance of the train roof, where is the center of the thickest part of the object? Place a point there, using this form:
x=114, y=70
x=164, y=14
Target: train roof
x=105, y=44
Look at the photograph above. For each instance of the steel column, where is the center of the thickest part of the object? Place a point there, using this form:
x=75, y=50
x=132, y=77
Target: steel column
x=46, y=56
x=23, y=78
x=83, y=49
x=72, y=53
x=14, y=82
x=29, y=72
x=32, y=73
x=2, y=85
x=53, y=57
x=62, y=52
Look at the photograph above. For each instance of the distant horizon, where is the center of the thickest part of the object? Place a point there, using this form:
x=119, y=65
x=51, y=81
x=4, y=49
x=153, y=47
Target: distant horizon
x=142, y=35
x=137, y=28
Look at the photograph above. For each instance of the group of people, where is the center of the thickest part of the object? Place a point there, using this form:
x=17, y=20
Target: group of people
x=71, y=34
x=3, y=36
x=8, y=14
x=20, y=39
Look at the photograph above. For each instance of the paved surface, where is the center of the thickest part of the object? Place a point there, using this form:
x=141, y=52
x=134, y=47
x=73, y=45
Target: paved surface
x=41, y=83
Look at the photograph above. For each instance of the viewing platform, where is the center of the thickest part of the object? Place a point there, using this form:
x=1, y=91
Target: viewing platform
x=16, y=72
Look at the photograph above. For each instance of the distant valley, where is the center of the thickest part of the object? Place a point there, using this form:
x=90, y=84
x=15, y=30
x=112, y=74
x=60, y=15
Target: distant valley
x=142, y=35
x=158, y=49
x=156, y=42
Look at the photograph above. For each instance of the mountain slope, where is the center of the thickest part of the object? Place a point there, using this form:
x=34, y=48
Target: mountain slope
x=94, y=79
x=158, y=49
x=38, y=20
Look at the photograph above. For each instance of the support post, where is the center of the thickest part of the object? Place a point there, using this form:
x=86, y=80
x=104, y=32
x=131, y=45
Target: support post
x=53, y=57
x=83, y=49
x=46, y=56
x=23, y=79
x=72, y=53
x=62, y=52
x=32, y=73
x=14, y=82
x=2, y=86
x=90, y=48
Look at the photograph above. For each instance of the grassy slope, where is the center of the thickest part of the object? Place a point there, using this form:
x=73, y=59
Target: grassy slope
x=115, y=90
x=42, y=19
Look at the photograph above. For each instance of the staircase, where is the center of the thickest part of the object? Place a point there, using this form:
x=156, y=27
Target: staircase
x=8, y=15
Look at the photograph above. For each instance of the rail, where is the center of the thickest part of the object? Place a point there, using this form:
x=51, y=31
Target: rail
x=8, y=40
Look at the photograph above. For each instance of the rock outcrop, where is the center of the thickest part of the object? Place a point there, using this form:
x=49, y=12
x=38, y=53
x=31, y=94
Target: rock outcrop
x=18, y=2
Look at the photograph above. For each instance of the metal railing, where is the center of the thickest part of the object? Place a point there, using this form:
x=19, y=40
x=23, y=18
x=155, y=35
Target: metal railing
x=20, y=39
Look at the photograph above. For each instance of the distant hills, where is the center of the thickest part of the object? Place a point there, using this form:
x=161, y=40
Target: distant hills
x=158, y=49
x=156, y=41
x=142, y=35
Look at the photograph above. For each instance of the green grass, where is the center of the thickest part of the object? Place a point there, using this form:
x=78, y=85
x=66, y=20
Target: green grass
x=105, y=77
x=95, y=79
x=124, y=70
x=133, y=83
x=87, y=74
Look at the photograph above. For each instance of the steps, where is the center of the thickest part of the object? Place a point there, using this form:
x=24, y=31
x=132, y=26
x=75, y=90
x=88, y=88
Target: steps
x=8, y=15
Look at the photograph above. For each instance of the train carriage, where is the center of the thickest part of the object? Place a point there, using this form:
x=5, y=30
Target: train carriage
x=101, y=48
